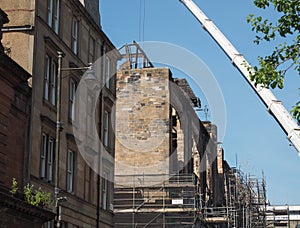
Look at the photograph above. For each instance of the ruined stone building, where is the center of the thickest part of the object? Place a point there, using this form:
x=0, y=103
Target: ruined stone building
x=37, y=30
x=170, y=169
x=165, y=171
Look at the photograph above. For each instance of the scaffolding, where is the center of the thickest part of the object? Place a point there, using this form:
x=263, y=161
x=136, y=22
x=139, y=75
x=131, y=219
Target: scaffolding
x=153, y=202
x=283, y=216
x=245, y=198
x=178, y=201
x=245, y=203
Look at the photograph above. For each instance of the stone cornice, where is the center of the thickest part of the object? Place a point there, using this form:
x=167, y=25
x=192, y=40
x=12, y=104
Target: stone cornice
x=15, y=205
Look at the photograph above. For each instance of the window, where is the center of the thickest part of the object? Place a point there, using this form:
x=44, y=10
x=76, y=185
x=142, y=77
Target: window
x=43, y=156
x=106, y=129
x=294, y=212
x=53, y=84
x=91, y=50
x=63, y=224
x=74, y=43
x=50, y=159
x=90, y=111
x=50, y=12
x=47, y=157
x=47, y=224
x=89, y=177
x=53, y=14
x=107, y=71
x=104, y=191
x=72, y=92
x=47, y=77
x=70, y=171
x=90, y=198
x=50, y=80
x=56, y=17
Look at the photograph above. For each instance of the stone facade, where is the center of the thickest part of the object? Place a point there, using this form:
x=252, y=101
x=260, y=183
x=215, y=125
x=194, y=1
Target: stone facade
x=16, y=213
x=154, y=135
x=92, y=6
x=142, y=129
x=3, y=20
x=36, y=31
x=170, y=167
x=159, y=141
x=214, y=192
x=15, y=113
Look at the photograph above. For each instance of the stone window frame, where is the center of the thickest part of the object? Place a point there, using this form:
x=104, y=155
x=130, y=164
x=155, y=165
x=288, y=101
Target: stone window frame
x=106, y=128
x=90, y=114
x=50, y=80
x=74, y=34
x=70, y=170
x=53, y=14
x=105, y=190
x=106, y=184
x=47, y=224
x=89, y=180
x=72, y=101
x=47, y=157
x=108, y=142
x=107, y=70
x=92, y=49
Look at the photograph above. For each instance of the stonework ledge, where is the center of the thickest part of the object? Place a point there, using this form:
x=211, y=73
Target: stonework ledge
x=16, y=206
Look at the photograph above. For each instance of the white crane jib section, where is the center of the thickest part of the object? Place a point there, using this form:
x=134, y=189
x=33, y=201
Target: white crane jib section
x=275, y=108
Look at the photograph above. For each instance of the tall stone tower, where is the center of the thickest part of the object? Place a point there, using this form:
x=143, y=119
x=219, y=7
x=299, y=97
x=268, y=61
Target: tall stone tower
x=92, y=6
x=143, y=113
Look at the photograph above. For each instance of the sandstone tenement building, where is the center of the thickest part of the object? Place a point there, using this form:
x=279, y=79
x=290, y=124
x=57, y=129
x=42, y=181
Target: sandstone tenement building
x=37, y=30
x=15, y=112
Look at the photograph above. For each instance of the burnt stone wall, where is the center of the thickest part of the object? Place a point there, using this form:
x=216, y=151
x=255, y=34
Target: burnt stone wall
x=142, y=126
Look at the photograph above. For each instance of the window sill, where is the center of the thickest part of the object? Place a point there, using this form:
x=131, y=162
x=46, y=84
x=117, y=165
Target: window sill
x=72, y=122
x=47, y=181
x=49, y=105
x=107, y=210
x=108, y=149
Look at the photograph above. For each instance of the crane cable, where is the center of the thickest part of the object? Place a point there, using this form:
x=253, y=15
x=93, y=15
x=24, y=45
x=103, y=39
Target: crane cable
x=142, y=17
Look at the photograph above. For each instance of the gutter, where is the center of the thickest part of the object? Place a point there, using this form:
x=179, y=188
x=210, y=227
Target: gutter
x=18, y=28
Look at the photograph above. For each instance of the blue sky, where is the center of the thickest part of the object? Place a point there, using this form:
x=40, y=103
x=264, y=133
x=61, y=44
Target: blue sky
x=252, y=135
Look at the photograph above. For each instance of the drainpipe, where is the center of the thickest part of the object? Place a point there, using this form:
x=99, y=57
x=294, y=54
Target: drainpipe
x=26, y=162
x=100, y=135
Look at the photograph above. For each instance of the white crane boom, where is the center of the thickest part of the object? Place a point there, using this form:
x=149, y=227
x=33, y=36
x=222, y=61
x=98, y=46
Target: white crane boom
x=281, y=115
